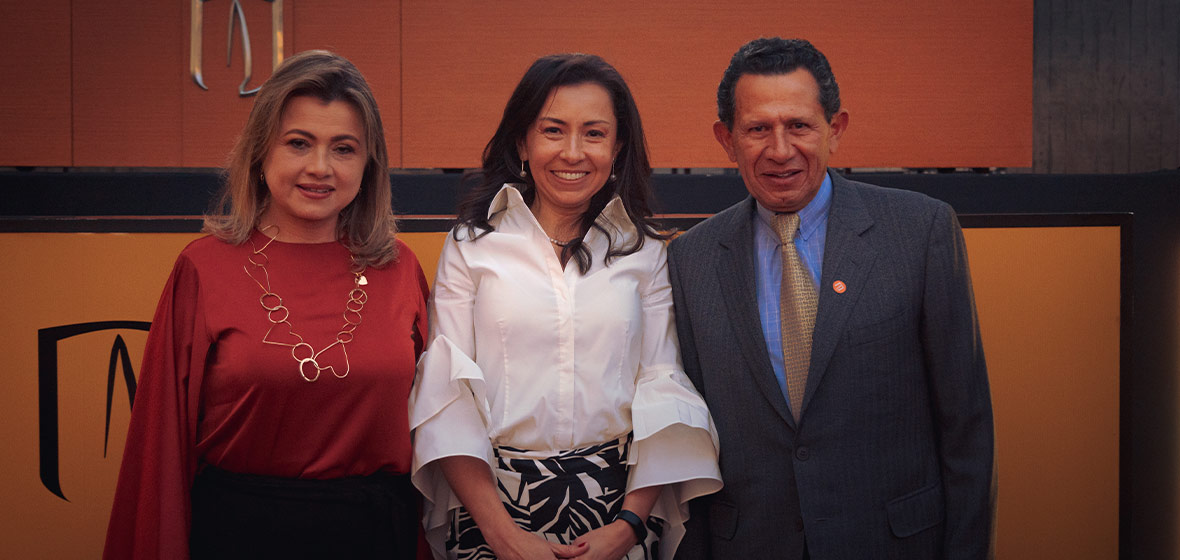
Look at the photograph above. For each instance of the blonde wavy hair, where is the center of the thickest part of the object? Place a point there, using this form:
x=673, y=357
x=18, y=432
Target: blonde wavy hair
x=367, y=225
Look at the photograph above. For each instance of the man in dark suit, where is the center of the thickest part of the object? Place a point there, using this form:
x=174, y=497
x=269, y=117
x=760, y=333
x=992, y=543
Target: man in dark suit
x=873, y=437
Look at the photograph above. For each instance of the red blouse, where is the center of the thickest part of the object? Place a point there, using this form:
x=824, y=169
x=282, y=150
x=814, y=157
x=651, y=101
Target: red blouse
x=211, y=392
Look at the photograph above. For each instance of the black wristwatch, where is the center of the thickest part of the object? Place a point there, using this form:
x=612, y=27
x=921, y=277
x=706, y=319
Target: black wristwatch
x=630, y=518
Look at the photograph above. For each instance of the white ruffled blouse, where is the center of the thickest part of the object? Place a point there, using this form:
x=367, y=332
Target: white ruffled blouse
x=526, y=354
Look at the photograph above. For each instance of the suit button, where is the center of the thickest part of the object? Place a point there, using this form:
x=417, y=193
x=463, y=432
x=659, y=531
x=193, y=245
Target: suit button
x=799, y=524
x=802, y=454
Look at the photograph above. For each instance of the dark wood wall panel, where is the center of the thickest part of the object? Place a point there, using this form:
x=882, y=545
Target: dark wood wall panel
x=105, y=84
x=369, y=34
x=931, y=85
x=1107, y=86
x=128, y=71
x=1155, y=66
x=35, y=97
x=925, y=85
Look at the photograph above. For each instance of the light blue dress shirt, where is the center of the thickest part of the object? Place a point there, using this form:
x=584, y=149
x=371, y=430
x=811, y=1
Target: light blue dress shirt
x=768, y=268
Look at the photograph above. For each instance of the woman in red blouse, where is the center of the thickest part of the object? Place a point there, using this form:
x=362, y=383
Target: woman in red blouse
x=271, y=414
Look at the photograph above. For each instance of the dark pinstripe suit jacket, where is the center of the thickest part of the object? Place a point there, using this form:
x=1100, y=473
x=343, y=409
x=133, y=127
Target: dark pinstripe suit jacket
x=893, y=456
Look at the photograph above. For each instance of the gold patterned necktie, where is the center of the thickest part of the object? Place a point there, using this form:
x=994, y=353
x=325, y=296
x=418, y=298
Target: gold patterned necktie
x=797, y=305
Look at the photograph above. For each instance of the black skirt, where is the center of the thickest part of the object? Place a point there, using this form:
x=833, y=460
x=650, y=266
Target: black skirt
x=250, y=516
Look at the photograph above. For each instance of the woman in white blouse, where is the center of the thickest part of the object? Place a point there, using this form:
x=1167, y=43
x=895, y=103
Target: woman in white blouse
x=551, y=416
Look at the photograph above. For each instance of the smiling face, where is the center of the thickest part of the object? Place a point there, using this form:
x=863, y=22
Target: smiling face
x=780, y=139
x=570, y=148
x=313, y=168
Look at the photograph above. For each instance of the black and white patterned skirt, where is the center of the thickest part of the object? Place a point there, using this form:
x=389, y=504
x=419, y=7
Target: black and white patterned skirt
x=558, y=496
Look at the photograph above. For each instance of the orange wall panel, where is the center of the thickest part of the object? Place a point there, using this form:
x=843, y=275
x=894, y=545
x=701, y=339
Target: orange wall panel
x=926, y=85
x=1051, y=336
x=368, y=34
x=35, y=97
x=113, y=277
x=128, y=68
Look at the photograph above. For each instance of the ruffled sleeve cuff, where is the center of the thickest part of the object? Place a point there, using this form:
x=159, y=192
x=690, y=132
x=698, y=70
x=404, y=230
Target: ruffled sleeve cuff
x=675, y=446
x=448, y=417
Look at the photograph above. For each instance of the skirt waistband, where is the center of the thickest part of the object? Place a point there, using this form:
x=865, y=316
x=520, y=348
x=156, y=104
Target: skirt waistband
x=357, y=489
x=592, y=458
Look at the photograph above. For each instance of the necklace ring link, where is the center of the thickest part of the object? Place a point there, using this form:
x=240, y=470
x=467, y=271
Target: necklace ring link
x=313, y=363
x=277, y=313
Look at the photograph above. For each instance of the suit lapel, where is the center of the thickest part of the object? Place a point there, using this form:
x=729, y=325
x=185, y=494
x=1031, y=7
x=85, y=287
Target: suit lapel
x=735, y=271
x=848, y=257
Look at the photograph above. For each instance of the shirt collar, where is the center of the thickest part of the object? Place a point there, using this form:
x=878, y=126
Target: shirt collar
x=508, y=210
x=811, y=216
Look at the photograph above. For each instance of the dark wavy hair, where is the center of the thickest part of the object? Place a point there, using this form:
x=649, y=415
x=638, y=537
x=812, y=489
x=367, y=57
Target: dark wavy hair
x=501, y=162
x=770, y=56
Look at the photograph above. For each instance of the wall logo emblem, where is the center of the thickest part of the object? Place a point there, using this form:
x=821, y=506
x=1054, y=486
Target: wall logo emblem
x=47, y=340
x=235, y=14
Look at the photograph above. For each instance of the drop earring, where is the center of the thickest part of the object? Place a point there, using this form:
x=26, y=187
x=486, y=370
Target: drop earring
x=523, y=173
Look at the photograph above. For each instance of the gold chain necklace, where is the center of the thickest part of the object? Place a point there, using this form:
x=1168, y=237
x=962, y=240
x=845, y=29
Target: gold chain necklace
x=278, y=314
